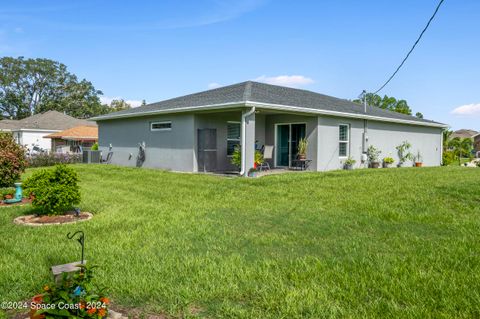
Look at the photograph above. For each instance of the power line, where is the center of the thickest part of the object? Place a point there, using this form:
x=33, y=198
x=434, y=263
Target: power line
x=411, y=50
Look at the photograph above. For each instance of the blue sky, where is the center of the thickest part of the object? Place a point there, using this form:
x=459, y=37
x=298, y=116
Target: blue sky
x=155, y=50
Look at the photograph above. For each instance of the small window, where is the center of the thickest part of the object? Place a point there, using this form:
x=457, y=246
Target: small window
x=343, y=140
x=160, y=126
x=233, y=136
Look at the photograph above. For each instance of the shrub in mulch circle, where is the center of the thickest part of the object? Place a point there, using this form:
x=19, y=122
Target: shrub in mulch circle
x=78, y=291
x=12, y=160
x=54, y=191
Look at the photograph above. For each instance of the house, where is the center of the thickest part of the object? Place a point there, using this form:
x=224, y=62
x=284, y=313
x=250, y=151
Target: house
x=476, y=144
x=30, y=131
x=74, y=139
x=198, y=132
x=464, y=133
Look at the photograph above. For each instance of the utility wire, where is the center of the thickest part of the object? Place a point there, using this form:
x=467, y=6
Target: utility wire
x=411, y=50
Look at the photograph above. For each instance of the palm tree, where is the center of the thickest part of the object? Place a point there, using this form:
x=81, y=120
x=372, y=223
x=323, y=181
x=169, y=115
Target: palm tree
x=462, y=146
x=447, y=134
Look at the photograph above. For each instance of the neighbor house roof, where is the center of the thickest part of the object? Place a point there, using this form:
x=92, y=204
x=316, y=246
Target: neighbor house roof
x=267, y=96
x=464, y=133
x=77, y=133
x=50, y=120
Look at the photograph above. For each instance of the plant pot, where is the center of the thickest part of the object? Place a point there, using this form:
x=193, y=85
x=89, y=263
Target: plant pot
x=8, y=196
x=348, y=167
x=374, y=165
x=387, y=165
x=302, y=156
x=418, y=164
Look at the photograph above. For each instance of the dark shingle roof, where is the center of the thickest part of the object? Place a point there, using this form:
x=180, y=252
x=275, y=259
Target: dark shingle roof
x=50, y=120
x=250, y=91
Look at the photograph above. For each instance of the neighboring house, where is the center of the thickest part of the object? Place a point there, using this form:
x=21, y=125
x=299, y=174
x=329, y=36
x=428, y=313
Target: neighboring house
x=476, y=144
x=74, y=139
x=198, y=132
x=31, y=131
x=463, y=133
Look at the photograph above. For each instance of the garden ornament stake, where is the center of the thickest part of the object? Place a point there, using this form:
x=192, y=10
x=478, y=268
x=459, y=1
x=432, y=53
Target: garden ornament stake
x=81, y=240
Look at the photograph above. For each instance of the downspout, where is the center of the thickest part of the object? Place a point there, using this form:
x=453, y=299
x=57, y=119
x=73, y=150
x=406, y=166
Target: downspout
x=244, y=133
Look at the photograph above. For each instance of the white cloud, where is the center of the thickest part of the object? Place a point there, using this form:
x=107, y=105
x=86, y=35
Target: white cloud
x=469, y=109
x=294, y=81
x=108, y=100
x=214, y=85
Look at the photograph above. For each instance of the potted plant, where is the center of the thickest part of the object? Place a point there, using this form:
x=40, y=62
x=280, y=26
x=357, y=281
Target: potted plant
x=349, y=162
x=404, y=153
x=237, y=158
x=388, y=161
x=373, y=155
x=302, y=149
x=418, y=160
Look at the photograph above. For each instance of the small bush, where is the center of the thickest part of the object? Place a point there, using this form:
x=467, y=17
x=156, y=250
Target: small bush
x=6, y=191
x=55, y=190
x=50, y=159
x=448, y=158
x=94, y=147
x=12, y=160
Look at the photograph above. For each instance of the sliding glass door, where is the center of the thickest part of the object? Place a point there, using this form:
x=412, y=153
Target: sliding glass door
x=287, y=138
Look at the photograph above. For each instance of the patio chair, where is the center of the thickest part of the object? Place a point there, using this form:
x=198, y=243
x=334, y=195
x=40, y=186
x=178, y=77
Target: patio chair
x=267, y=155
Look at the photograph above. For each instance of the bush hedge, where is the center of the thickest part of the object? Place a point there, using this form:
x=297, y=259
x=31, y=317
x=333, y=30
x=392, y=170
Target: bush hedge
x=54, y=190
x=50, y=159
x=12, y=160
x=6, y=191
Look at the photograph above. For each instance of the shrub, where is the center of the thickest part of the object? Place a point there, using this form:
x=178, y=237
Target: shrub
x=404, y=152
x=12, y=160
x=6, y=191
x=50, y=159
x=54, y=190
x=94, y=147
x=86, y=300
x=448, y=158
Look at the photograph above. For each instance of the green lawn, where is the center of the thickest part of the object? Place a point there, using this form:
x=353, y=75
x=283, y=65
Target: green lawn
x=368, y=243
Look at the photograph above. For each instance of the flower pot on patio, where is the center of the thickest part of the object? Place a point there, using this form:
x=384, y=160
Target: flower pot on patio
x=374, y=165
x=418, y=164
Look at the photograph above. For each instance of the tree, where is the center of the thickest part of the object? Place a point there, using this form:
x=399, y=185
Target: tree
x=386, y=103
x=31, y=86
x=419, y=115
x=119, y=105
x=462, y=146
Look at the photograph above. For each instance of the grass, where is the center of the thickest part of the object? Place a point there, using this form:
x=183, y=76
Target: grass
x=368, y=243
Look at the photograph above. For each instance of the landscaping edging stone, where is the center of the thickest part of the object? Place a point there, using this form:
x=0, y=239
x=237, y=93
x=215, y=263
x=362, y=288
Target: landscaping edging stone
x=25, y=220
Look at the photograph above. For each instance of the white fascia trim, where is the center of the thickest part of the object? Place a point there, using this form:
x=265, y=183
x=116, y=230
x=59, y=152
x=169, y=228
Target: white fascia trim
x=169, y=111
x=341, y=114
x=35, y=130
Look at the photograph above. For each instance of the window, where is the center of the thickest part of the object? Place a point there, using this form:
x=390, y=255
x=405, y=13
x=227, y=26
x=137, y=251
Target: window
x=160, y=126
x=233, y=136
x=344, y=140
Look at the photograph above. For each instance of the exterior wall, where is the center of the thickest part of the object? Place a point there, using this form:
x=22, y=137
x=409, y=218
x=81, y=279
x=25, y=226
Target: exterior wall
x=30, y=138
x=172, y=149
x=219, y=122
x=383, y=135
x=311, y=132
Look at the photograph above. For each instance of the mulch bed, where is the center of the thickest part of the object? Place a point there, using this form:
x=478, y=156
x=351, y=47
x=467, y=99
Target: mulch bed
x=68, y=217
x=23, y=202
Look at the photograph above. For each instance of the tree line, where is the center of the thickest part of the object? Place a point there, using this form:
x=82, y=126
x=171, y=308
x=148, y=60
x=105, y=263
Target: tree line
x=388, y=103
x=31, y=86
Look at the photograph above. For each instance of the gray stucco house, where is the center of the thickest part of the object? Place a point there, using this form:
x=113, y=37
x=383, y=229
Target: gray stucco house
x=198, y=132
